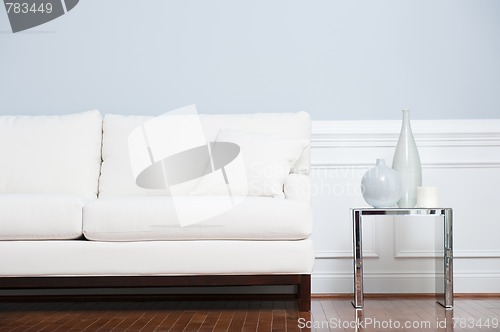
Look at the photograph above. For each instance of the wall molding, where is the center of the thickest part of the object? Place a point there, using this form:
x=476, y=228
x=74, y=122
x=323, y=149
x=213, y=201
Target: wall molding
x=458, y=164
x=368, y=252
x=476, y=253
x=399, y=245
x=347, y=254
x=380, y=133
x=338, y=254
x=355, y=135
x=404, y=275
x=400, y=252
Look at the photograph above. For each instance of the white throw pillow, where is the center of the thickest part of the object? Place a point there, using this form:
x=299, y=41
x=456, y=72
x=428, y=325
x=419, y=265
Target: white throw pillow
x=261, y=169
x=51, y=154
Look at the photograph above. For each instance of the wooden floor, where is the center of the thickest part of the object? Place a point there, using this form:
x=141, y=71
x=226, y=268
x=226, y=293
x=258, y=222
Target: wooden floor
x=328, y=314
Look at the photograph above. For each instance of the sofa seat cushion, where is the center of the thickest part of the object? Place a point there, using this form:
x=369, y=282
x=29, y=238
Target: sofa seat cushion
x=196, y=218
x=40, y=217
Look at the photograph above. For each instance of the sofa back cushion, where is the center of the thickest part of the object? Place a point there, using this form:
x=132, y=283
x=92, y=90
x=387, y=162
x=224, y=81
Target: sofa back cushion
x=51, y=154
x=117, y=176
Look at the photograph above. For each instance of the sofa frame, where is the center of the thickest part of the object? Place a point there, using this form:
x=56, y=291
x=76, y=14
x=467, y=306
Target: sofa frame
x=81, y=154
x=302, y=283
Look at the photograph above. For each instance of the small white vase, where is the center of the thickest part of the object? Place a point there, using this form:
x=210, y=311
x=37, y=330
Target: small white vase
x=407, y=163
x=381, y=186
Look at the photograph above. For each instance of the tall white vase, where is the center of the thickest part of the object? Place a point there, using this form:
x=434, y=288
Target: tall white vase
x=407, y=163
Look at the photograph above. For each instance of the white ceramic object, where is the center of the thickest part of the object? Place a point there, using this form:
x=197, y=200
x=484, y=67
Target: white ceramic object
x=407, y=163
x=427, y=197
x=381, y=186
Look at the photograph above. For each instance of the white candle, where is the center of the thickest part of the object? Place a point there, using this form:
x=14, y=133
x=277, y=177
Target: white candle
x=427, y=197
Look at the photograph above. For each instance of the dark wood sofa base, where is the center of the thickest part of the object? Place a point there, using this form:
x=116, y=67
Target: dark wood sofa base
x=301, y=281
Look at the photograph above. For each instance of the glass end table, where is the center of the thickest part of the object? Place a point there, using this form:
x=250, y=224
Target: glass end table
x=444, y=236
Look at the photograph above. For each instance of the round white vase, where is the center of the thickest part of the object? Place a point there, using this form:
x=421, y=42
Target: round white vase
x=407, y=163
x=381, y=186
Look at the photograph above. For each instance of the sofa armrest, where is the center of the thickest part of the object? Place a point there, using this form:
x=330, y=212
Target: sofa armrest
x=298, y=187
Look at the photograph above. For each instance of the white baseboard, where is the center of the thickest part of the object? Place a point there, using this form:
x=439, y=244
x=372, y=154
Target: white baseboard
x=474, y=283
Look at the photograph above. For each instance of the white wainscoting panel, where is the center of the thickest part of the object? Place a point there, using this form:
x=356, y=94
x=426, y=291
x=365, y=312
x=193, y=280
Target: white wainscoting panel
x=460, y=157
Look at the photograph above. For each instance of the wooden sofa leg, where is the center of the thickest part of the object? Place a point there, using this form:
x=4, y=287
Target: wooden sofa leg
x=304, y=293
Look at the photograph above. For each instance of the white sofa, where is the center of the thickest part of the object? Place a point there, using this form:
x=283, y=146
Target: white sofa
x=72, y=214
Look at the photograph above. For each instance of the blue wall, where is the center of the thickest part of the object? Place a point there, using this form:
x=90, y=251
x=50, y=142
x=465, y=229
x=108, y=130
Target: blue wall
x=335, y=59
